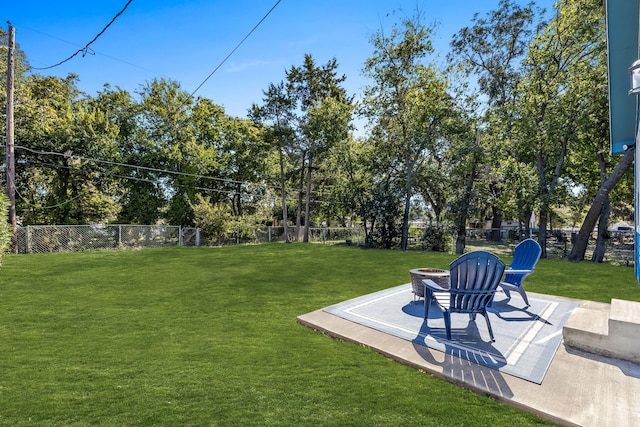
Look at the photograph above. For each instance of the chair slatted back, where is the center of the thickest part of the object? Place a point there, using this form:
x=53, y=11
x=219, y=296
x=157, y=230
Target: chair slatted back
x=473, y=280
x=525, y=257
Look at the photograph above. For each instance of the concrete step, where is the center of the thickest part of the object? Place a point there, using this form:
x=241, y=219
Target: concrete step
x=611, y=330
x=587, y=329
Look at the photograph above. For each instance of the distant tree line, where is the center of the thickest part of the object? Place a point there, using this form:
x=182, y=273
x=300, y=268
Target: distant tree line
x=513, y=123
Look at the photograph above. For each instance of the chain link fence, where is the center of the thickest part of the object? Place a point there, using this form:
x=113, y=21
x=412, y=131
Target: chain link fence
x=95, y=237
x=619, y=245
x=78, y=238
x=349, y=235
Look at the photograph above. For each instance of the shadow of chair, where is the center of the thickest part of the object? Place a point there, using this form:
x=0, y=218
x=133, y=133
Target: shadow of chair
x=525, y=257
x=465, y=363
x=473, y=280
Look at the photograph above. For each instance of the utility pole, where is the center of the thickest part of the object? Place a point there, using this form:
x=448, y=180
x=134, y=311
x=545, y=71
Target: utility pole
x=10, y=161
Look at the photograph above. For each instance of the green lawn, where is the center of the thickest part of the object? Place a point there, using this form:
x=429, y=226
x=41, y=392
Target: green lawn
x=208, y=336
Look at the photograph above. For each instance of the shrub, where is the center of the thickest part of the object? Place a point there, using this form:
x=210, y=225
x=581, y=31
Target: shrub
x=220, y=225
x=435, y=238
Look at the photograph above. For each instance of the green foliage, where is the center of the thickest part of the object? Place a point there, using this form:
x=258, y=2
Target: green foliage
x=63, y=136
x=220, y=225
x=323, y=113
x=246, y=228
x=214, y=220
x=436, y=238
x=412, y=113
x=563, y=88
x=141, y=199
x=516, y=124
x=493, y=48
x=113, y=158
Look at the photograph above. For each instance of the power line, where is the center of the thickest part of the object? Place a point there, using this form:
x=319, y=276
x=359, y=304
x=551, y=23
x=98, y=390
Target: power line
x=53, y=153
x=234, y=49
x=86, y=49
x=228, y=193
x=131, y=178
x=93, y=52
x=87, y=159
x=151, y=181
x=29, y=204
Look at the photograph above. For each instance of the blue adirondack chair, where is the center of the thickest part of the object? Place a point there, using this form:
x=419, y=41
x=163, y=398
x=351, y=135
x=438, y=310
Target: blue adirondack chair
x=473, y=281
x=525, y=257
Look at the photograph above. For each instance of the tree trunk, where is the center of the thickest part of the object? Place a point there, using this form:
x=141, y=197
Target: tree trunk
x=64, y=214
x=299, y=210
x=461, y=239
x=547, y=187
x=283, y=189
x=296, y=237
x=542, y=233
x=580, y=246
x=495, y=234
x=368, y=242
x=307, y=208
x=404, y=242
x=601, y=247
x=296, y=234
x=237, y=199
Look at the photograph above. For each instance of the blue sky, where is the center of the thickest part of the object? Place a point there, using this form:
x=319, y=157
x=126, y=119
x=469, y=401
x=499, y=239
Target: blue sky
x=186, y=40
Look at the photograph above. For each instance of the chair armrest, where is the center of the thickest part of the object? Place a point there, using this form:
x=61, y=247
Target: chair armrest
x=433, y=286
x=518, y=271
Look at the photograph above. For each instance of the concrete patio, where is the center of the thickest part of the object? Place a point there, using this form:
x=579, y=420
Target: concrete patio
x=581, y=387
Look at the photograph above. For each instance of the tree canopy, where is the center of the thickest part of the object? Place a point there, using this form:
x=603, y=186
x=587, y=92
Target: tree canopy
x=512, y=126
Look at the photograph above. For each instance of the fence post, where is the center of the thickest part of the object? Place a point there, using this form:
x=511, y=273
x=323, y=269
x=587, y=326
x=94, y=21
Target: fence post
x=180, y=242
x=28, y=238
x=269, y=233
x=197, y=237
x=119, y=235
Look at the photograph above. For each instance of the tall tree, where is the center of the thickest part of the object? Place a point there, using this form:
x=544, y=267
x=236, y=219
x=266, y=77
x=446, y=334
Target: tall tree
x=408, y=101
x=553, y=99
x=591, y=164
x=165, y=124
x=465, y=167
x=242, y=152
x=62, y=132
x=277, y=112
x=324, y=115
x=140, y=198
x=493, y=48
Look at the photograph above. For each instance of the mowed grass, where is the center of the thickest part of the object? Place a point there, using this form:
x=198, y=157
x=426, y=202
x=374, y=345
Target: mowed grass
x=208, y=336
